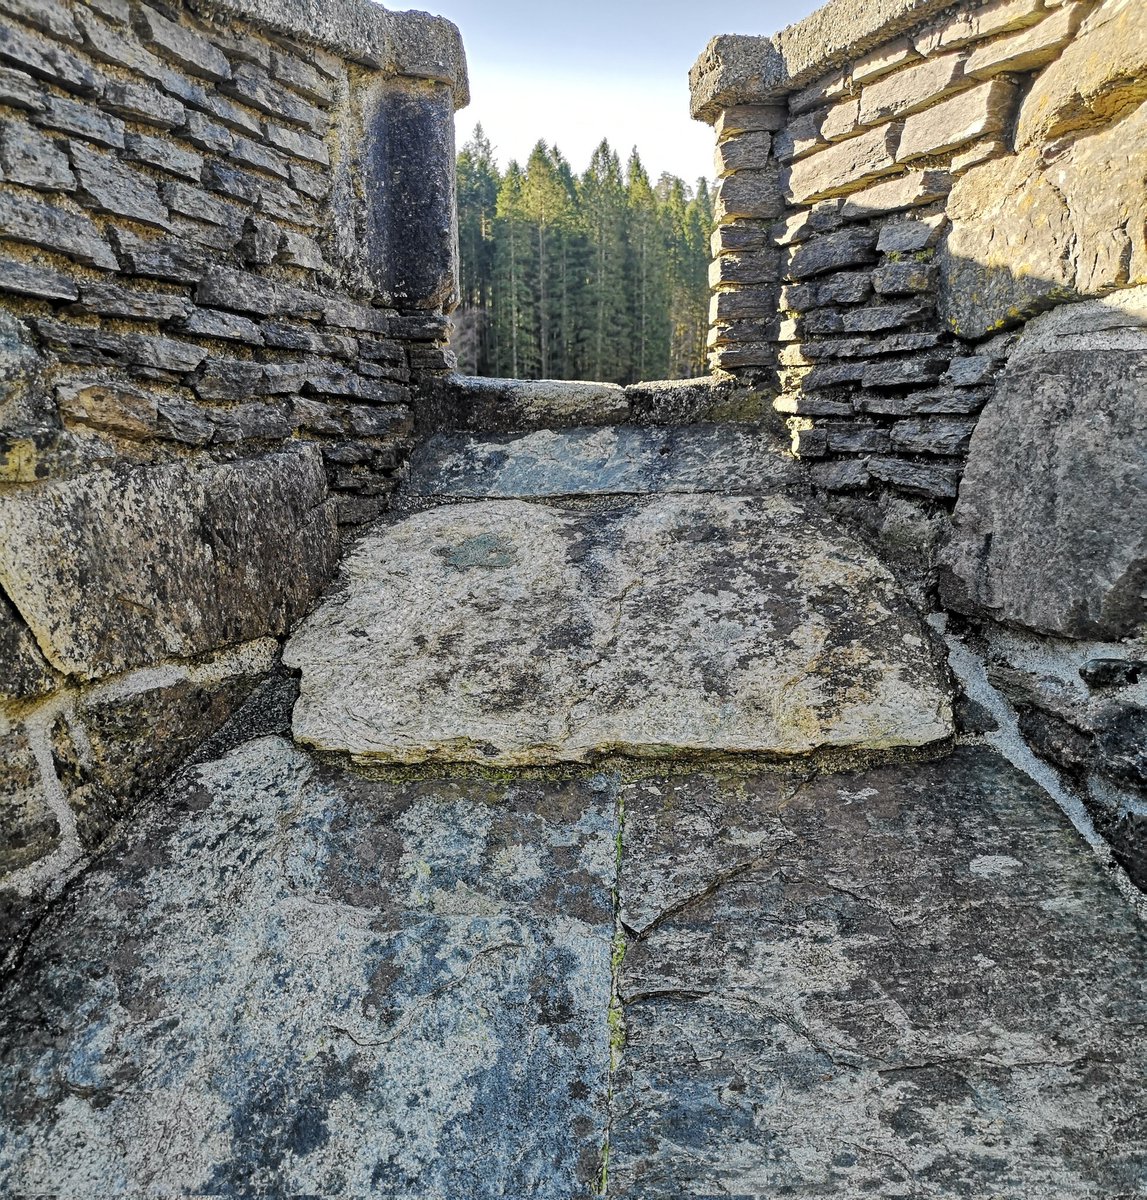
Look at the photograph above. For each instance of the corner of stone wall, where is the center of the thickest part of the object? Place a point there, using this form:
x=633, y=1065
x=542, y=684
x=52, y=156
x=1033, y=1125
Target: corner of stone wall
x=903, y=187
x=227, y=256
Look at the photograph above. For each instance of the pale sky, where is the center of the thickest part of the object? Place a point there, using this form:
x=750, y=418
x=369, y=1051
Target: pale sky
x=573, y=73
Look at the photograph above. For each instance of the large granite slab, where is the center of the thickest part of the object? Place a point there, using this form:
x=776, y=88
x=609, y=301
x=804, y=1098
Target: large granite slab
x=907, y=981
x=514, y=633
x=293, y=983
x=608, y=460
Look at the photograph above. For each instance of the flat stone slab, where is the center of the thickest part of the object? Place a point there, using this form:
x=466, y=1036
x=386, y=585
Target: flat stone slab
x=511, y=633
x=908, y=981
x=611, y=460
x=292, y=983
x=286, y=980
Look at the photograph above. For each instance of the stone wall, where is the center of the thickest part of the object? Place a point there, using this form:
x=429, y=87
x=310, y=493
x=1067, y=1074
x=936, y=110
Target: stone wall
x=904, y=186
x=226, y=258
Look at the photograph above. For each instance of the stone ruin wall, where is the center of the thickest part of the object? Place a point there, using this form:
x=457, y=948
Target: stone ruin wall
x=904, y=187
x=227, y=253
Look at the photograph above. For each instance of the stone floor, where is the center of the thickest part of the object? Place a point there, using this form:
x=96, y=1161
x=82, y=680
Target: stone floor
x=456, y=955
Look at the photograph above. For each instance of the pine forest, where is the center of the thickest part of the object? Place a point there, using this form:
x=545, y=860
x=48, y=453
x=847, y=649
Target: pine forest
x=602, y=276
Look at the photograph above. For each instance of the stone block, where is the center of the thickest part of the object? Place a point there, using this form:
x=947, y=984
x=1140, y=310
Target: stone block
x=82, y=119
x=885, y=58
x=860, y=347
x=905, y=372
x=799, y=138
x=831, y=252
x=750, y=118
x=752, y=267
x=207, y=134
x=942, y=436
x=849, y=287
x=904, y=278
x=911, y=89
x=229, y=379
x=116, y=570
x=108, y=185
x=49, y=15
x=29, y=828
x=833, y=374
x=910, y=237
x=111, y=407
x=1048, y=533
x=31, y=159
x=844, y=167
x=253, y=153
x=976, y=153
x=971, y=370
x=165, y=154
x=895, y=195
x=241, y=291
x=744, y=152
x=1029, y=49
x=876, y=318
x=974, y=24
x=302, y=78
x=114, y=300
x=17, y=90
x=26, y=220
x=302, y=145
x=116, y=44
x=180, y=421
x=26, y=674
x=741, y=235
x=210, y=323
x=46, y=60
x=1100, y=76
x=842, y=475
x=840, y=121
x=41, y=283
x=252, y=422
x=160, y=258
x=856, y=439
x=1025, y=234
x=984, y=111
x=187, y=47
x=139, y=102
x=918, y=479
x=753, y=194
x=751, y=303
x=819, y=92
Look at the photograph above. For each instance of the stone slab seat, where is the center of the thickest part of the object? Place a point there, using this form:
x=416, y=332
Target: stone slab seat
x=512, y=633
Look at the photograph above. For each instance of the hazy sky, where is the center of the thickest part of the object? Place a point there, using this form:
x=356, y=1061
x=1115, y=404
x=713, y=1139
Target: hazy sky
x=576, y=71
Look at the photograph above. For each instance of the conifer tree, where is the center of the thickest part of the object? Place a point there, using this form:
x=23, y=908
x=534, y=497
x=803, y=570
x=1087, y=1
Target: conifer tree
x=603, y=205
x=478, y=184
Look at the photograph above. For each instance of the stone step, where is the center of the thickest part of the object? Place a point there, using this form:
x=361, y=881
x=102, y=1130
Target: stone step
x=610, y=460
x=512, y=633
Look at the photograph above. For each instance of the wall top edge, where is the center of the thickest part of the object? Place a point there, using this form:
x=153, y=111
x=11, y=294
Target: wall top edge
x=414, y=44
x=742, y=69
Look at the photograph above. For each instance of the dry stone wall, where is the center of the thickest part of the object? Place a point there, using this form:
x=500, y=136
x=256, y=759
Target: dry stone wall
x=932, y=252
x=226, y=259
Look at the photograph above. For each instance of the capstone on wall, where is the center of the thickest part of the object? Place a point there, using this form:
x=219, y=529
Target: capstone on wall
x=226, y=259
x=932, y=250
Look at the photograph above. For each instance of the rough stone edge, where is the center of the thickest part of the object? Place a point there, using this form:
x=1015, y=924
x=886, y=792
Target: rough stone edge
x=412, y=44
x=743, y=69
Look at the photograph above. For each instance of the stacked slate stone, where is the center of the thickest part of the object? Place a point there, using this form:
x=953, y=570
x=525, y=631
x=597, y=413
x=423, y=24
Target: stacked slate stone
x=875, y=242
x=182, y=248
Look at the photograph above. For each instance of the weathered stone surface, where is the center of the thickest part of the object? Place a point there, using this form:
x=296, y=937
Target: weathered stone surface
x=187, y=47
x=844, y=167
x=36, y=161
x=832, y=252
x=939, y=435
x=920, y=479
x=1028, y=49
x=112, y=571
x=29, y=829
x=24, y=279
x=919, y=86
x=910, y=237
x=27, y=220
x=1036, y=541
x=111, y=187
x=115, y=408
x=317, y=982
x=1099, y=77
x=26, y=671
x=985, y=111
x=750, y=194
x=1024, y=236
x=895, y=195
x=903, y=981
x=904, y=278
x=689, y=622
x=497, y=405
x=611, y=460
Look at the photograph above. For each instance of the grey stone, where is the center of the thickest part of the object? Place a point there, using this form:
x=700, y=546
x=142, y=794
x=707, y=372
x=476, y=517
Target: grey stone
x=139, y=102
x=611, y=460
x=82, y=119
x=206, y=134
x=875, y=318
x=108, y=185
x=180, y=421
x=252, y=85
x=27, y=220
x=115, y=300
x=843, y=475
x=302, y=145
x=19, y=91
x=113, y=407
x=228, y=379
x=985, y=111
x=26, y=672
x=895, y=195
x=750, y=118
x=444, y=947
x=1112, y=672
x=166, y=561
x=832, y=252
x=910, y=236
x=743, y=151
x=747, y=268
x=46, y=60
x=202, y=206
x=29, y=829
x=302, y=77
x=858, y=347
x=904, y=278
x=948, y=436
x=850, y=287
x=42, y=283
x=1037, y=542
x=755, y=194
x=49, y=15
x=691, y=622
x=971, y=371
x=1029, y=49
x=253, y=154
x=298, y=250
x=844, y=167
x=498, y=405
x=165, y=354
x=242, y=291
x=916, y=87
x=694, y=401
x=920, y=479
x=187, y=47
x=905, y=372
x=824, y=977
x=160, y=152
x=857, y=439
x=34, y=160
x=203, y=322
